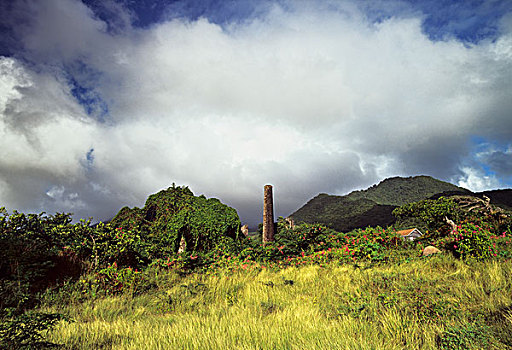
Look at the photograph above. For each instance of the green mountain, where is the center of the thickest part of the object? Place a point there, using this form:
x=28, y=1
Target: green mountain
x=402, y=190
x=373, y=206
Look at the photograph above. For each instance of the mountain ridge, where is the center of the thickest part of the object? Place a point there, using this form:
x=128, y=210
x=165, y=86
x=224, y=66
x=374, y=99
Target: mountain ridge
x=374, y=205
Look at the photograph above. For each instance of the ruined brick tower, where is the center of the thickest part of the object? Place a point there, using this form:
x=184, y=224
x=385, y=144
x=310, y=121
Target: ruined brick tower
x=268, y=215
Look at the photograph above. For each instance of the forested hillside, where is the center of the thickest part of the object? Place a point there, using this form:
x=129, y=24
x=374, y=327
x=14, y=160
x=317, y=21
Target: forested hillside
x=374, y=206
x=398, y=191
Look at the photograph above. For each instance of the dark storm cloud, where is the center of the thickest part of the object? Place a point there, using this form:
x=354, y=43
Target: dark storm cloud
x=500, y=162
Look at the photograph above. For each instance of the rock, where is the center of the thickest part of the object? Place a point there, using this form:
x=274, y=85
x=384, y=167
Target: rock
x=245, y=230
x=430, y=250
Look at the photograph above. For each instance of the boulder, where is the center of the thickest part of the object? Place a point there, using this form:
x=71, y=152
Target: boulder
x=430, y=250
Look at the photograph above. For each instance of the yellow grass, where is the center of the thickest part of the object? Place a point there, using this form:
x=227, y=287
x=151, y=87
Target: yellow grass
x=306, y=308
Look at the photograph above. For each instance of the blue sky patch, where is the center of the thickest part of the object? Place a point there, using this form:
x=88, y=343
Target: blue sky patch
x=81, y=80
x=468, y=21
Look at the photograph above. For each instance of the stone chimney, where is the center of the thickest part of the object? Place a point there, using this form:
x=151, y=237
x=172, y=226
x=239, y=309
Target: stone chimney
x=268, y=215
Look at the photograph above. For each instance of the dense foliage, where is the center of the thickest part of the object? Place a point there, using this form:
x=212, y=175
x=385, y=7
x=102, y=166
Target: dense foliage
x=25, y=331
x=32, y=255
x=433, y=213
x=39, y=251
x=175, y=213
x=473, y=241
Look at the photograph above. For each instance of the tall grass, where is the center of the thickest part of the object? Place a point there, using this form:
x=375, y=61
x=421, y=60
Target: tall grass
x=427, y=303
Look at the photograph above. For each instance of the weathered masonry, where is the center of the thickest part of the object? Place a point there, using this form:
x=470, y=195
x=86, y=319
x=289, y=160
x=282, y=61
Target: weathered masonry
x=268, y=215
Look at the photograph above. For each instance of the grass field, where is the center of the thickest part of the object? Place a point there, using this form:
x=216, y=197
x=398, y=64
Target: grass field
x=437, y=302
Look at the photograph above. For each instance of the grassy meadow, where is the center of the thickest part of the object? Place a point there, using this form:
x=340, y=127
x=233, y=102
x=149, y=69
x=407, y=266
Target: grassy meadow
x=125, y=285
x=436, y=302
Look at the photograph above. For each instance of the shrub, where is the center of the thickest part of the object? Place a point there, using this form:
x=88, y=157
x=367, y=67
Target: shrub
x=117, y=280
x=301, y=238
x=105, y=244
x=31, y=257
x=473, y=241
x=26, y=331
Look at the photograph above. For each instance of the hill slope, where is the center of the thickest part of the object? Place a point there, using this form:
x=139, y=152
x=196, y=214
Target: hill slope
x=402, y=190
x=373, y=206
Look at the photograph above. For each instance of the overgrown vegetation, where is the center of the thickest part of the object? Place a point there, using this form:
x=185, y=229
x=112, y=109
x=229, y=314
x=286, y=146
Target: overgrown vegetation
x=125, y=285
x=175, y=213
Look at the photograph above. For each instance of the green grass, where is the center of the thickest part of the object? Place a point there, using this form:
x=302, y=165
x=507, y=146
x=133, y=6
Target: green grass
x=429, y=303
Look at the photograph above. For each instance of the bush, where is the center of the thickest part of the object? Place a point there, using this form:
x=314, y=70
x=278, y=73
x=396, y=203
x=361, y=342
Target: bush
x=26, y=331
x=503, y=243
x=302, y=238
x=31, y=258
x=105, y=244
x=117, y=280
x=473, y=241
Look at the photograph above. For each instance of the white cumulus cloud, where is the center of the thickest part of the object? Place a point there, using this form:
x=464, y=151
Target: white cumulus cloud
x=309, y=98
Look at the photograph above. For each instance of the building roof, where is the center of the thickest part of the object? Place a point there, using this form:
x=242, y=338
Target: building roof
x=408, y=231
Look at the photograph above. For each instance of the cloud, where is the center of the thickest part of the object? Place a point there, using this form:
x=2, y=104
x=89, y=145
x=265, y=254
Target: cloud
x=501, y=162
x=310, y=98
x=476, y=180
x=496, y=158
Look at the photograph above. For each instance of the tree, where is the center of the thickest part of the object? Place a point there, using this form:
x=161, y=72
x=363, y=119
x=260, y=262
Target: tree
x=438, y=214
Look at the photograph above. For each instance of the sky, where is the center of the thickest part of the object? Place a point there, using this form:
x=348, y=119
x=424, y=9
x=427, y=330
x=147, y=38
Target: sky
x=104, y=102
